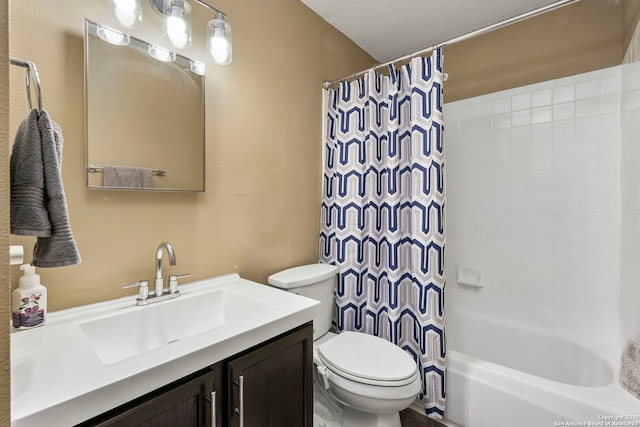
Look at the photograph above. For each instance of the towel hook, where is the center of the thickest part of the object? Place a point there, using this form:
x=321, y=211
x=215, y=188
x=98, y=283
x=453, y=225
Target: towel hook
x=32, y=72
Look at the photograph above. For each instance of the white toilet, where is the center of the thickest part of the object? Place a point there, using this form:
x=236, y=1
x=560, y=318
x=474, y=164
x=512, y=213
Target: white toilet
x=367, y=378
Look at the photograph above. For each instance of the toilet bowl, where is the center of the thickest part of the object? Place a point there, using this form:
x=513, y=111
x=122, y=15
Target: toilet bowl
x=372, y=378
x=367, y=377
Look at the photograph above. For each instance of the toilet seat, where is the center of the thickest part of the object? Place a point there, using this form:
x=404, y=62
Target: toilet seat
x=368, y=360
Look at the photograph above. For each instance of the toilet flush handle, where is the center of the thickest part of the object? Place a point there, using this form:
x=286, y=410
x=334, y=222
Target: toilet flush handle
x=322, y=370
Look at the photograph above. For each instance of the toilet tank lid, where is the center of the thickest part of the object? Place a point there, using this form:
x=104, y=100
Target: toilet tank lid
x=302, y=275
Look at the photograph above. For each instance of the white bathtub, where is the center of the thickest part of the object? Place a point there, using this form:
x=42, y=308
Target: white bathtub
x=514, y=375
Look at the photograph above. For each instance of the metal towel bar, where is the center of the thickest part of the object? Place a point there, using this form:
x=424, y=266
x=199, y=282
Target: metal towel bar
x=93, y=169
x=32, y=72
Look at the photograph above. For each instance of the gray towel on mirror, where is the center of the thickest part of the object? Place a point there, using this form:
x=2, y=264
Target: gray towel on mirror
x=37, y=169
x=630, y=366
x=29, y=216
x=127, y=177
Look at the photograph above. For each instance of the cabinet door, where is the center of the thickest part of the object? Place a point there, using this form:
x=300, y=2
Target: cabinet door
x=271, y=385
x=189, y=402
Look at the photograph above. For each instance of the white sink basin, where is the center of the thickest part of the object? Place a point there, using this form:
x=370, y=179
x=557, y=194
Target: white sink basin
x=131, y=333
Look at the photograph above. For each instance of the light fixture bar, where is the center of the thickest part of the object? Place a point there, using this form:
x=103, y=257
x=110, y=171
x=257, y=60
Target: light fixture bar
x=157, y=4
x=208, y=6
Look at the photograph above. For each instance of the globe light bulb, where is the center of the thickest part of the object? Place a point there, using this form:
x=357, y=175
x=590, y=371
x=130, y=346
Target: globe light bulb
x=219, y=47
x=126, y=5
x=127, y=13
x=177, y=23
x=125, y=18
x=219, y=40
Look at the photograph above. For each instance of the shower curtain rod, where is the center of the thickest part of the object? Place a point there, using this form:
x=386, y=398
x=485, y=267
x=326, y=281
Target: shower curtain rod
x=328, y=84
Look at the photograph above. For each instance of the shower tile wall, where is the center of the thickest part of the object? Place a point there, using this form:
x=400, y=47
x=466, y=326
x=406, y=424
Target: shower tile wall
x=630, y=233
x=533, y=199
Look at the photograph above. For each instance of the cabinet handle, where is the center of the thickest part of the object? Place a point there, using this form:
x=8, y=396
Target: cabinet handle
x=241, y=400
x=214, y=423
x=240, y=410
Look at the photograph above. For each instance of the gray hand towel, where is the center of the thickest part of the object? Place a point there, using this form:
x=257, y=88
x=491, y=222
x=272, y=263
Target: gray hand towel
x=127, y=177
x=630, y=366
x=29, y=216
x=60, y=248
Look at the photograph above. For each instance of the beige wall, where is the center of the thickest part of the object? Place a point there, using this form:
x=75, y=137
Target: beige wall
x=581, y=37
x=260, y=212
x=5, y=416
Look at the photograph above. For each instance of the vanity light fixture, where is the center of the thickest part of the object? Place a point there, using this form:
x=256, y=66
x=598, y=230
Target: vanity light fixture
x=127, y=13
x=176, y=26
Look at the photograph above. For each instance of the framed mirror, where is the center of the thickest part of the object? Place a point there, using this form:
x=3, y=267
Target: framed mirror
x=145, y=116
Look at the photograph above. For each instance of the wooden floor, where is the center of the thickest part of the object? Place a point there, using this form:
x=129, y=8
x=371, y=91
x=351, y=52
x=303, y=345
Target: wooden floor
x=410, y=418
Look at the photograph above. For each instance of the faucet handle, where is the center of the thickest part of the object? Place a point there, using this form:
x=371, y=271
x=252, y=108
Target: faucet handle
x=143, y=289
x=173, y=282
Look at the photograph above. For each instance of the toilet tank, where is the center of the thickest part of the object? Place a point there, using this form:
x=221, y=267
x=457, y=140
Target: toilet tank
x=315, y=281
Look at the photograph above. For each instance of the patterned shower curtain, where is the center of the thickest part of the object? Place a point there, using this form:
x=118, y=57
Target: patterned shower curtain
x=383, y=212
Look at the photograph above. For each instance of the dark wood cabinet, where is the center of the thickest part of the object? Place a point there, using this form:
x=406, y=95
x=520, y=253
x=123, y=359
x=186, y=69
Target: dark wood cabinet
x=267, y=385
x=272, y=385
x=188, y=402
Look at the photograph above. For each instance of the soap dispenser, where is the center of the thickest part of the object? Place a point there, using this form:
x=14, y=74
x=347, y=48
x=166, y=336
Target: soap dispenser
x=29, y=300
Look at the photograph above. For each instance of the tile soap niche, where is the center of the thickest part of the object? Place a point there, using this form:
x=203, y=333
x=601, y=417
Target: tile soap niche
x=469, y=276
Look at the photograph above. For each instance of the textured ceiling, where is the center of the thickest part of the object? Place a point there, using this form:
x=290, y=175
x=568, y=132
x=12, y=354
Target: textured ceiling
x=387, y=29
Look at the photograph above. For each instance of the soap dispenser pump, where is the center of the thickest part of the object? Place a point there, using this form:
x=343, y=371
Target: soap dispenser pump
x=29, y=300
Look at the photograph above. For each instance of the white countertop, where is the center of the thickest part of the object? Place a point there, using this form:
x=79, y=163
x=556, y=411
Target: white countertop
x=57, y=379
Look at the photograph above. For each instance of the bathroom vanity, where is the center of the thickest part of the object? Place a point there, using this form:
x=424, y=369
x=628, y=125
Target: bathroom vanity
x=269, y=384
x=228, y=351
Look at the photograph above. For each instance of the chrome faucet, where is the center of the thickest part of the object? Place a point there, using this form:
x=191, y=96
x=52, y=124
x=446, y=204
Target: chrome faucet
x=144, y=297
x=159, y=282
